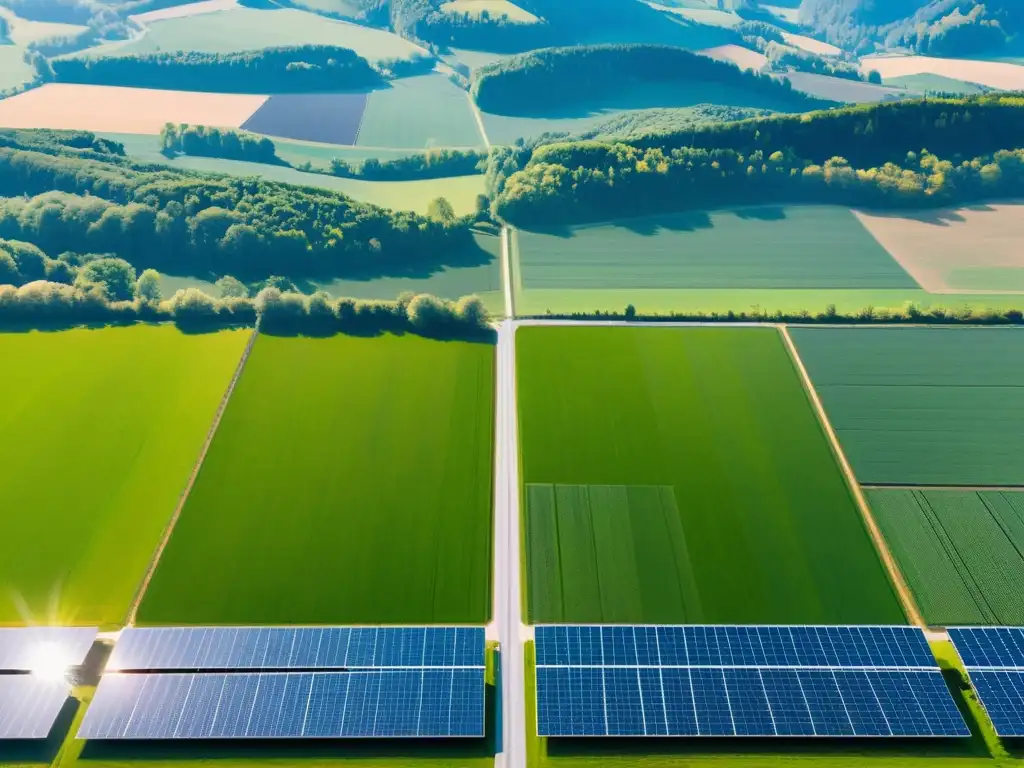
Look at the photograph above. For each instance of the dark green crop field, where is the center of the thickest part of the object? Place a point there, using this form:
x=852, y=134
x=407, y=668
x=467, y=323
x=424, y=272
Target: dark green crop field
x=923, y=406
x=99, y=431
x=715, y=422
x=349, y=482
x=960, y=551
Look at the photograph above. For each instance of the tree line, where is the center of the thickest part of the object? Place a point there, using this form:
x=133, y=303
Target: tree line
x=770, y=40
x=867, y=134
x=269, y=70
x=552, y=78
x=228, y=143
x=44, y=304
x=591, y=181
x=209, y=224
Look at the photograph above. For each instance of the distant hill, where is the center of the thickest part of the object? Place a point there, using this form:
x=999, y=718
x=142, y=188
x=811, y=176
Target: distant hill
x=935, y=27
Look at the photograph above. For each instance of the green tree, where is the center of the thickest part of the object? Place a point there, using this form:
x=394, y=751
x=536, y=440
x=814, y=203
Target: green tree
x=147, y=287
x=441, y=210
x=115, y=276
x=232, y=288
x=874, y=76
x=9, y=274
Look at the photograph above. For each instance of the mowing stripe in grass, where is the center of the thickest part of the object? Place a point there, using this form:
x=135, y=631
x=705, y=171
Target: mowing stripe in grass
x=896, y=577
x=192, y=477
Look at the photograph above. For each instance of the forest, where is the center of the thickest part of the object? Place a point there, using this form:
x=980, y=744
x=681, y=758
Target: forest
x=208, y=224
x=542, y=80
x=228, y=143
x=270, y=70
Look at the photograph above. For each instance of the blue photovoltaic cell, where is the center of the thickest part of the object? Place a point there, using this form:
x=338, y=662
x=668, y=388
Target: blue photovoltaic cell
x=22, y=648
x=1002, y=694
x=989, y=647
x=364, y=704
x=281, y=648
x=741, y=701
x=755, y=646
x=29, y=706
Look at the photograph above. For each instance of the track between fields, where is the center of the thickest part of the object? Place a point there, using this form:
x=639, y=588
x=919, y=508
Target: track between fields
x=210, y=434
x=895, y=575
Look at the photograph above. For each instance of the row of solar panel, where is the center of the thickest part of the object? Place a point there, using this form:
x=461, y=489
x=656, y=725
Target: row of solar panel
x=282, y=705
x=223, y=648
x=23, y=648
x=991, y=647
x=797, y=646
x=29, y=706
x=673, y=701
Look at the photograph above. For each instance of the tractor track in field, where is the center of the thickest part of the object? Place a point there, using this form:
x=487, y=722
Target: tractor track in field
x=210, y=434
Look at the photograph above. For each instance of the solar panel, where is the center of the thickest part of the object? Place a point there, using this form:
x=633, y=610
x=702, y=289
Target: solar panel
x=29, y=706
x=994, y=658
x=25, y=648
x=740, y=681
x=273, y=648
x=393, y=703
x=989, y=647
x=735, y=646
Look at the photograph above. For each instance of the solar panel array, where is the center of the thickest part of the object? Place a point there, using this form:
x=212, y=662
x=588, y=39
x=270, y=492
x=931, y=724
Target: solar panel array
x=29, y=706
x=740, y=681
x=356, y=682
x=994, y=658
x=222, y=648
x=22, y=648
x=282, y=705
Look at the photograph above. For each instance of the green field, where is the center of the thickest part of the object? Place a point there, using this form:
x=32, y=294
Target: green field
x=246, y=29
x=495, y=8
x=100, y=431
x=419, y=113
x=461, y=191
x=795, y=247
x=923, y=406
x=14, y=70
x=960, y=551
x=769, y=530
x=349, y=482
x=928, y=82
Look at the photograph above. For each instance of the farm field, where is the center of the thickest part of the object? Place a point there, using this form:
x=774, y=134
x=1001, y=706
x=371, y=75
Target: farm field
x=922, y=406
x=1003, y=76
x=744, y=58
x=964, y=250
x=840, y=89
x=246, y=29
x=716, y=421
x=461, y=191
x=926, y=82
x=187, y=9
x=960, y=551
x=353, y=478
x=793, y=247
x=419, y=113
x=330, y=118
x=113, y=109
x=320, y=155
x=14, y=70
x=88, y=485
x=811, y=45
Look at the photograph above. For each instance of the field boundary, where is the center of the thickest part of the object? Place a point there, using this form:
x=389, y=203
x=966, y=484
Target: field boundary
x=479, y=120
x=506, y=272
x=210, y=434
x=903, y=592
x=925, y=487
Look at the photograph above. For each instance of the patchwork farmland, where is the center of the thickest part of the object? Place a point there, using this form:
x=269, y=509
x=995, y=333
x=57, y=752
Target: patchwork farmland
x=959, y=550
x=330, y=118
x=907, y=414
x=101, y=430
x=625, y=429
x=353, y=477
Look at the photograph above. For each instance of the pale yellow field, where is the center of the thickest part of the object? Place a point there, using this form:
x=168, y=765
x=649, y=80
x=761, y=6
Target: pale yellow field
x=711, y=16
x=496, y=8
x=744, y=58
x=994, y=74
x=24, y=31
x=971, y=250
x=810, y=45
x=189, y=9
x=839, y=89
x=123, y=110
